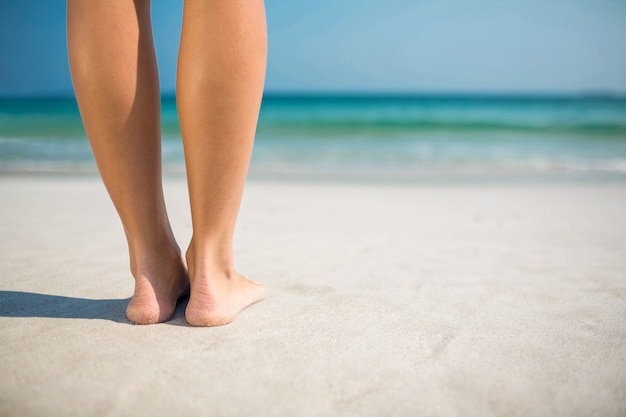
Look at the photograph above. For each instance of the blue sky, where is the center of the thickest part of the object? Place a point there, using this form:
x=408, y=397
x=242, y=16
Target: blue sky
x=370, y=45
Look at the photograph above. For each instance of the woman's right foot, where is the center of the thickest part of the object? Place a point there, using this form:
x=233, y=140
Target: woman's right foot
x=217, y=296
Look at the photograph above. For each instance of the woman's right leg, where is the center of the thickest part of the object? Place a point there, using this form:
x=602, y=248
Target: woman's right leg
x=221, y=70
x=115, y=78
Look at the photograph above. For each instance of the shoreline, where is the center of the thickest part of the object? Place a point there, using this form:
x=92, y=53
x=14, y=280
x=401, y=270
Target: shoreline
x=348, y=179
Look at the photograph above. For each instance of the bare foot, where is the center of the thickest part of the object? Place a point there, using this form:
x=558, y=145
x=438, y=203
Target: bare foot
x=158, y=286
x=217, y=297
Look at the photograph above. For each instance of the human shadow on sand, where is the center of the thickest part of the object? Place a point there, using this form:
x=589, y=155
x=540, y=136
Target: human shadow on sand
x=29, y=304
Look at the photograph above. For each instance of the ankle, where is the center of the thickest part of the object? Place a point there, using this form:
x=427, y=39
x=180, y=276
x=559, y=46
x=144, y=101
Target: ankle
x=148, y=256
x=210, y=259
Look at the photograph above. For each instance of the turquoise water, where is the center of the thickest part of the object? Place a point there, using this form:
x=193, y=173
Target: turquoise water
x=369, y=137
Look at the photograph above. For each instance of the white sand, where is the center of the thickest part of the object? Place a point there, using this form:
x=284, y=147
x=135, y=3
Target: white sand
x=382, y=300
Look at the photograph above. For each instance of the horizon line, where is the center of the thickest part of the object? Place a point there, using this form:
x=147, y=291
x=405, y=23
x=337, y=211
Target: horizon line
x=545, y=94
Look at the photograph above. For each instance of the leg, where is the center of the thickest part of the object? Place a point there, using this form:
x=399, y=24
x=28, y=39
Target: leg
x=115, y=78
x=221, y=71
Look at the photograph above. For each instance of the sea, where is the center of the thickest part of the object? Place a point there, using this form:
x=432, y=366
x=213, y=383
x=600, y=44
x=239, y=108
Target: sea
x=366, y=137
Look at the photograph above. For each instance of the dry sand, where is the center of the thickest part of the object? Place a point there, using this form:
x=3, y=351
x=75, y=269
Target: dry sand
x=403, y=300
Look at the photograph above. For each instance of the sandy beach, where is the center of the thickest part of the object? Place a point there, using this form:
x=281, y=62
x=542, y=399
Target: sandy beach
x=399, y=300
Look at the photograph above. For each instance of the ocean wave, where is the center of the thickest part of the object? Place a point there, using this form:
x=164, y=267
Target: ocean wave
x=283, y=168
x=359, y=126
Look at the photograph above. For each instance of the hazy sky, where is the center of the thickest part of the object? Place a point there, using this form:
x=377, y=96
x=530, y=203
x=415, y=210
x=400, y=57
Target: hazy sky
x=370, y=45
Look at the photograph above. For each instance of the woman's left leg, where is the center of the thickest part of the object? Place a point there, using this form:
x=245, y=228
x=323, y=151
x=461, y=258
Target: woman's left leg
x=115, y=78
